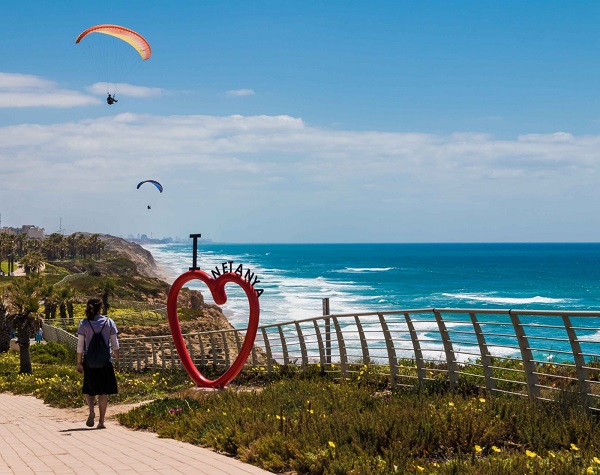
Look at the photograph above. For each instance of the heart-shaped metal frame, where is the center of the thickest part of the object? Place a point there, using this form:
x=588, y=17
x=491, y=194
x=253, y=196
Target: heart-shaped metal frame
x=217, y=289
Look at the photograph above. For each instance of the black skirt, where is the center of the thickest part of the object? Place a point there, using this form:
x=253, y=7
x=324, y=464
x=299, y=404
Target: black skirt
x=98, y=381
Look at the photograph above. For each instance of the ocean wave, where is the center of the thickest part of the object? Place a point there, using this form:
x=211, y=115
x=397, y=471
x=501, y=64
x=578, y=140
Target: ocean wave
x=356, y=270
x=505, y=300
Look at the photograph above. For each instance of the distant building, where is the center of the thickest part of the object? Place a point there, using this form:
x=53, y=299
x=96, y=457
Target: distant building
x=30, y=230
x=6, y=230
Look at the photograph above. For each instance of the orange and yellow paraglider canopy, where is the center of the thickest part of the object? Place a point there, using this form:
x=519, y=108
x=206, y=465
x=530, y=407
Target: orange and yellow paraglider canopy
x=129, y=36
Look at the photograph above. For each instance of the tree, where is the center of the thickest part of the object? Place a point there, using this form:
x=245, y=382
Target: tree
x=20, y=241
x=48, y=298
x=23, y=299
x=65, y=296
x=7, y=249
x=32, y=262
x=4, y=327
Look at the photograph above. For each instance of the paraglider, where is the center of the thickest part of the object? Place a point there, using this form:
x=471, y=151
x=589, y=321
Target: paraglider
x=154, y=182
x=120, y=33
x=129, y=36
x=158, y=186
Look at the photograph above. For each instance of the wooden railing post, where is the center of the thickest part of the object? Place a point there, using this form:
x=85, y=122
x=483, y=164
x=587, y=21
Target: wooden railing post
x=286, y=357
x=322, y=358
x=389, y=343
x=326, y=311
x=419, y=361
x=531, y=377
x=303, y=351
x=225, y=349
x=486, y=359
x=582, y=372
x=363, y=341
x=214, y=349
x=448, y=349
x=341, y=346
x=267, y=349
x=203, y=361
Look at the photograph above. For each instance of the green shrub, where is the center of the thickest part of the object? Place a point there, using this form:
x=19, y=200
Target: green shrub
x=52, y=353
x=319, y=426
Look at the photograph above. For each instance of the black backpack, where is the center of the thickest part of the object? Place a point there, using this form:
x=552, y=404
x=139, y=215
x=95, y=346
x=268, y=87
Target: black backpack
x=97, y=354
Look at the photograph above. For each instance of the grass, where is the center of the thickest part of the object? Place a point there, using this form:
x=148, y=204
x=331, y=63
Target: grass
x=121, y=316
x=309, y=422
x=56, y=381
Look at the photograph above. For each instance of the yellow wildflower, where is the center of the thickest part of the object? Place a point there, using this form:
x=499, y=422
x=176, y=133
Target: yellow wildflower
x=332, y=444
x=481, y=399
x=451, y=404
x=496, y=449
x=590, y=470
x=478, y=448
x=596, y=460
x=421, y=469
x=531, y=454
x=574, y=447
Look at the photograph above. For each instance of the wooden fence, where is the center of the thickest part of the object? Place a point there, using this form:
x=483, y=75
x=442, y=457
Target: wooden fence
x=524, y=352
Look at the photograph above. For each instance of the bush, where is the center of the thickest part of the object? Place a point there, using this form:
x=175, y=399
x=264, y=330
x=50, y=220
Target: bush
x=52, y=353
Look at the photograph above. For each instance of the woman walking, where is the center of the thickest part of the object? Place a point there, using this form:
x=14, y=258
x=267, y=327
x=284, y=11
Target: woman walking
x=94, y=360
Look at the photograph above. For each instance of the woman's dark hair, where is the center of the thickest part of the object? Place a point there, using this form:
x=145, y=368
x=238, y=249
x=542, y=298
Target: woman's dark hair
x=93, y=308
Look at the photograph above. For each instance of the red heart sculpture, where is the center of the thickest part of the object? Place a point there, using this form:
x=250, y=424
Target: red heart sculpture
x=217, y=289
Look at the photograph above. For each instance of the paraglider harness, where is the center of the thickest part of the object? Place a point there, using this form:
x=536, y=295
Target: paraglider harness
x=110, y=100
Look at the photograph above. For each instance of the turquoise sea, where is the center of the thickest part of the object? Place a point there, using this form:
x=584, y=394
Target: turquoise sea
x=369, y=277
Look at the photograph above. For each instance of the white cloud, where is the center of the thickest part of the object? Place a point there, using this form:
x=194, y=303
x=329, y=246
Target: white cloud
x=124, y=89
x=16, y=82
x=241, y=92
x=237, y=167
x=25, y=90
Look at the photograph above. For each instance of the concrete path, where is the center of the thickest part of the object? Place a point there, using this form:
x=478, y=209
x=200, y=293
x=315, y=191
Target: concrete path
x=36, y=438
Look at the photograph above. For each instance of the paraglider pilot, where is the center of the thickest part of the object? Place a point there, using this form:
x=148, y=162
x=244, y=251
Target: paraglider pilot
x=110, y=100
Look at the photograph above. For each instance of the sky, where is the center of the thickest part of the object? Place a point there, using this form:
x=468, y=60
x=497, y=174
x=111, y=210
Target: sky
x=306, y=121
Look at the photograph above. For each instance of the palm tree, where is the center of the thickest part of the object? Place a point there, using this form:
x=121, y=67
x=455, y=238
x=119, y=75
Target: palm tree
x=4, y=327
x=32, y=262
x=20, y=241
x=7, y=249
x=48, y=298
x=65, y=296
x=23, y=298
x=3, y=246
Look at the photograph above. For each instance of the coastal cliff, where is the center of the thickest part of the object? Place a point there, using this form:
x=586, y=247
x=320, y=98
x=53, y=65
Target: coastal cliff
x=142, y=259
x=210, y=316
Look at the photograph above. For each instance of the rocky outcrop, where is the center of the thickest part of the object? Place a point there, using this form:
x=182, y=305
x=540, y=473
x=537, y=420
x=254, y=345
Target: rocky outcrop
x=212, y=317
x=143, y=260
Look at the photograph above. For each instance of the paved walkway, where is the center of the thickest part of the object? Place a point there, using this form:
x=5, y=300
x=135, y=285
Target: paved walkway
x=36, y=438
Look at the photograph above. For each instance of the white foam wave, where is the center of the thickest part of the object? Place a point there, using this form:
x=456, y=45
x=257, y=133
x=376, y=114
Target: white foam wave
x=354, y=270
x=505, y=300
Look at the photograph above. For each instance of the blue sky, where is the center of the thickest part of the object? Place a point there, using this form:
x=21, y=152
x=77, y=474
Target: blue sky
x=280, y=121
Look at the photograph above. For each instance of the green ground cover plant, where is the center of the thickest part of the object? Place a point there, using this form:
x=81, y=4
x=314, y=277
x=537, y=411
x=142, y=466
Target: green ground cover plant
x=313, y=421
x=310, y=423
x=56, y=381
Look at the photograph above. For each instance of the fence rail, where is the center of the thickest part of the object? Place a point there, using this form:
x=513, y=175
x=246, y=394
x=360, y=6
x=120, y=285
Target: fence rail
x=525, y=352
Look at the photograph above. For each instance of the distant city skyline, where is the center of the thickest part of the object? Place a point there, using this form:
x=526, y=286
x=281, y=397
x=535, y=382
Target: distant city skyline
x=338, y=121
